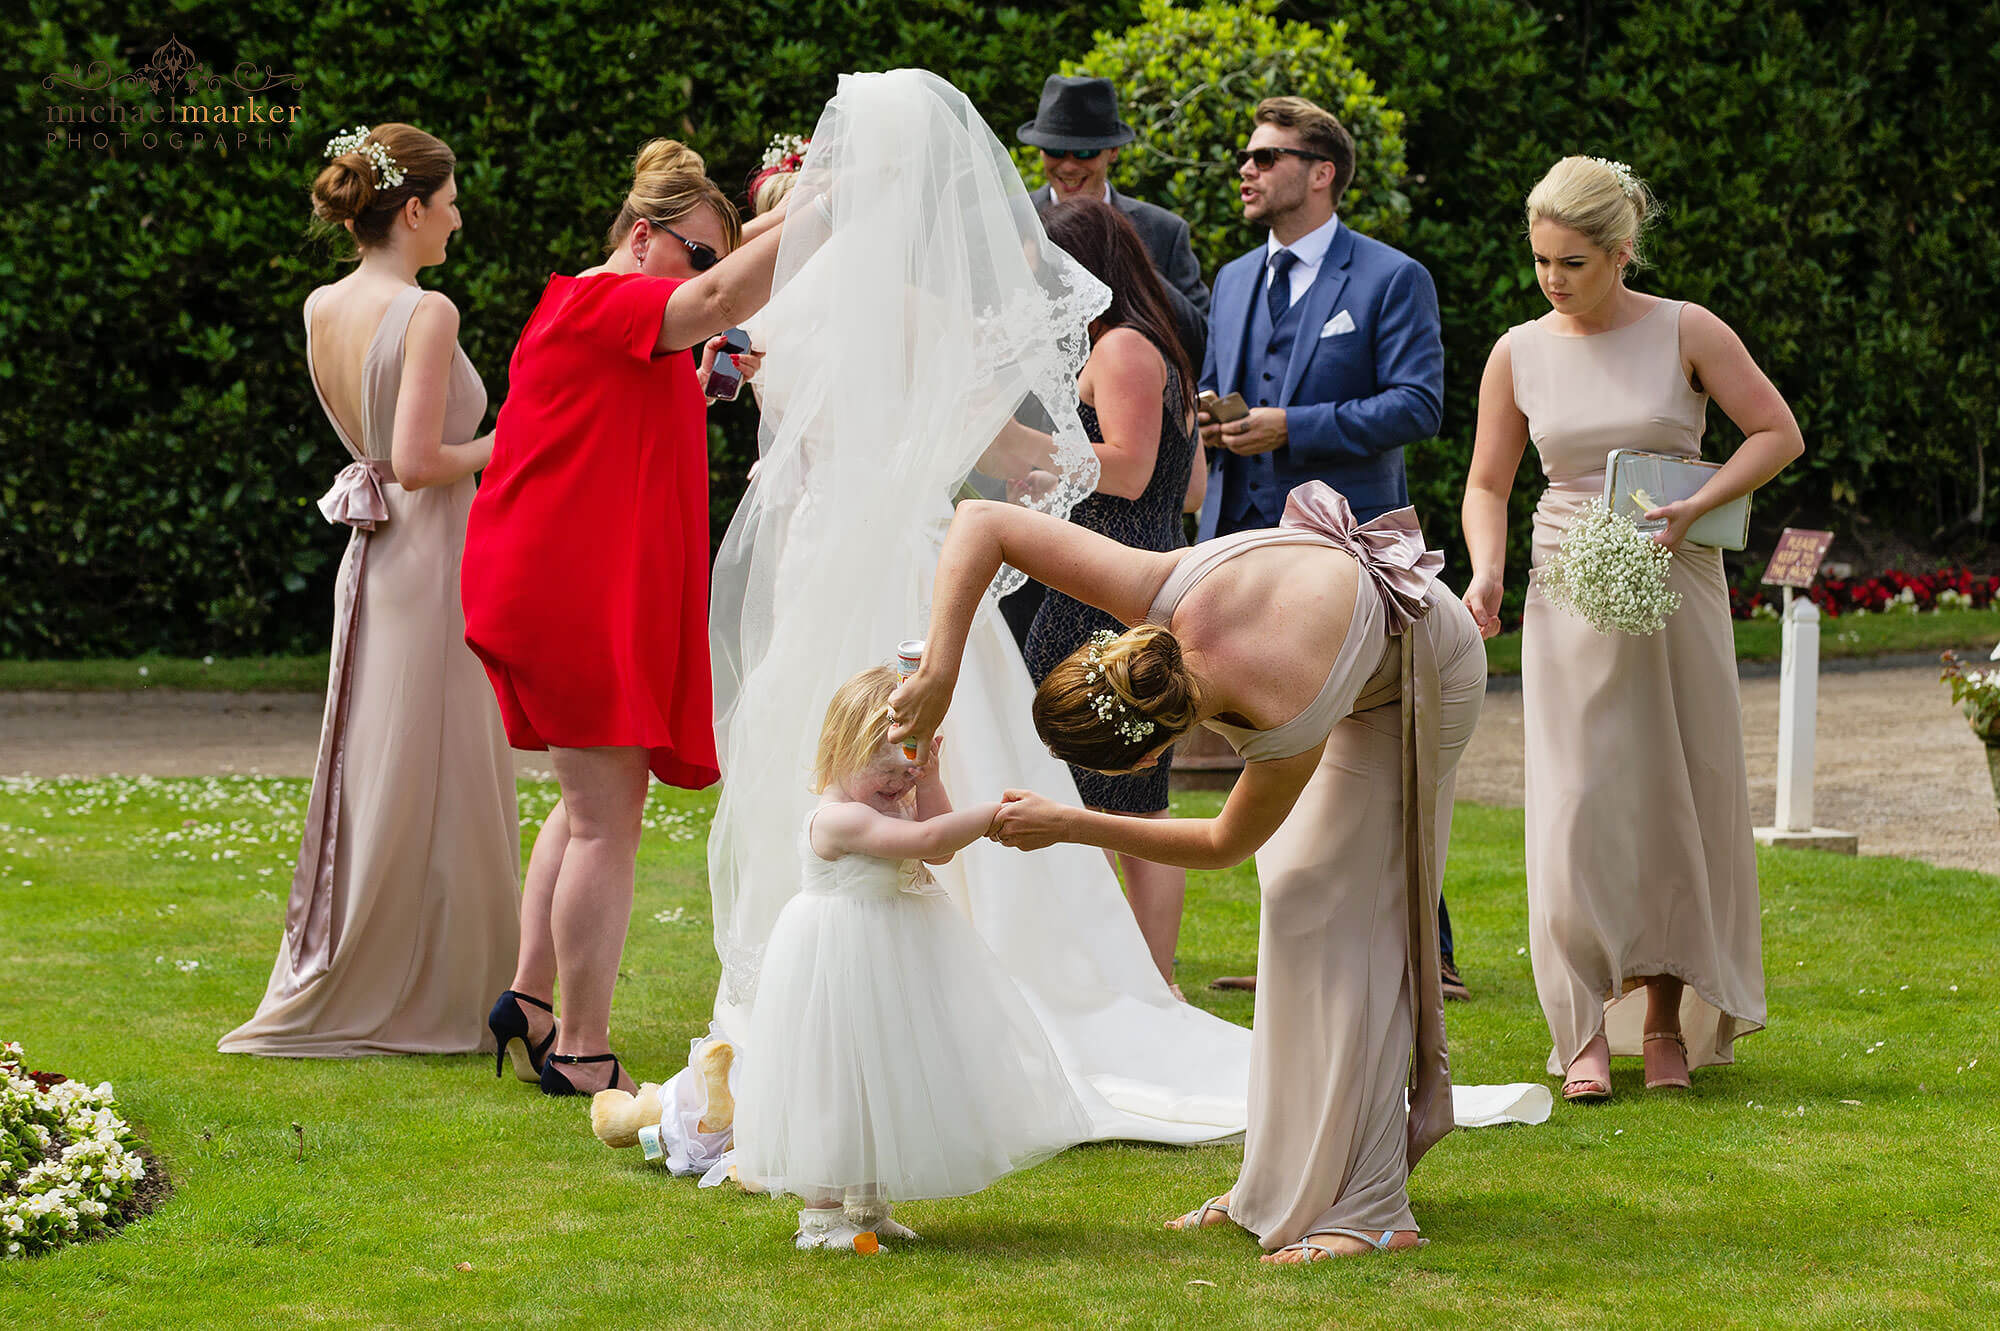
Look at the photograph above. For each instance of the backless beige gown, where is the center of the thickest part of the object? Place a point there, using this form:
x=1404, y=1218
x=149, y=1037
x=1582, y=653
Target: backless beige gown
x=1639, y=852
x=1349, y=1081
x=404, y=916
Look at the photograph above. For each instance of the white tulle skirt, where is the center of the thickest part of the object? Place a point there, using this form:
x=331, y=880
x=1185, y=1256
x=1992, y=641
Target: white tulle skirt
x=894, y=1058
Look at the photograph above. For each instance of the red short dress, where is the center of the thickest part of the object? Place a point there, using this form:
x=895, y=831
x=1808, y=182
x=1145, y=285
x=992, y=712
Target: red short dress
x=585, y=576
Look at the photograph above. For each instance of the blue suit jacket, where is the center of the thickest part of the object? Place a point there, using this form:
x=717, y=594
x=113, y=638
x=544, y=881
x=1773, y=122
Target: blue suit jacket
x=1352, y=400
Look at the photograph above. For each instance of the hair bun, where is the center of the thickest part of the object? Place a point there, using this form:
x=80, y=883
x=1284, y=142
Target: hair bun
x=344, y=188
x=1146, y=667
x=666, y=155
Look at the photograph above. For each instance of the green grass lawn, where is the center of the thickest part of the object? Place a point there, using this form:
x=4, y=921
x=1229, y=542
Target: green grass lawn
x=243, y=674
x=1756, y=640
x=1844, y=1173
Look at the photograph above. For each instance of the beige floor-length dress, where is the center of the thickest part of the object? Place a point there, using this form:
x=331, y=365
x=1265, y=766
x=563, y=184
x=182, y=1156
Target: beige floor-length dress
x=404, y=915
x=1639, y=852
x=1349, y=1080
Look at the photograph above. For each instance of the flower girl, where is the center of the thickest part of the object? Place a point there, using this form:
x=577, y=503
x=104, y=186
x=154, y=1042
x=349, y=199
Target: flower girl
x=895, y=1059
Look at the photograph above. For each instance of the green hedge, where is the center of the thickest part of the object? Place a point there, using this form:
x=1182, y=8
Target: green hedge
x=1189, y=80
x=1831, y=177
x=160, y=446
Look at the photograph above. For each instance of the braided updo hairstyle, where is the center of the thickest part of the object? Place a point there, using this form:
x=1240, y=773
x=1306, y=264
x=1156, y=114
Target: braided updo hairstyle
x=349, y=188
x=1600, y=200
x=1093, y=708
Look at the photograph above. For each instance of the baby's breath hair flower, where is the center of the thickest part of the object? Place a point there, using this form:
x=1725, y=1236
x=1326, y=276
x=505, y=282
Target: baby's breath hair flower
x=1131, y=725
x=1610, y=574
x=387, y=174
x=786, y=152
x=1619, y=171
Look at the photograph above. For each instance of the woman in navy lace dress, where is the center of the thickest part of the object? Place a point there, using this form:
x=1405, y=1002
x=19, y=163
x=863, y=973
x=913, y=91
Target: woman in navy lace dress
x=1137, y=393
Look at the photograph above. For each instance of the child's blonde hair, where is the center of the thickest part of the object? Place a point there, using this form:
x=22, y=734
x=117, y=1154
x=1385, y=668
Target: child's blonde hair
x=856, y=725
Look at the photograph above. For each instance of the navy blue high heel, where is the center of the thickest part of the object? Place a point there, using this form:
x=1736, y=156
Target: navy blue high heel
x=555, y=1083
x=510, y=1025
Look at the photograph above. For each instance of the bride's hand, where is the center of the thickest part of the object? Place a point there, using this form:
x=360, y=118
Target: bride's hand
x=1028, y=821
x=917, y=708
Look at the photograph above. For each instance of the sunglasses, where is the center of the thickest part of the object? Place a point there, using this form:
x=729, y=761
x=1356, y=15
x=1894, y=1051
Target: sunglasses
x=700, y=257
x=1266, y=158
x=1080, y=154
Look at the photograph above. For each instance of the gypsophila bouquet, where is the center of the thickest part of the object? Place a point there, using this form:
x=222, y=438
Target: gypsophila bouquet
x=69, y=1165
x=1610, y=574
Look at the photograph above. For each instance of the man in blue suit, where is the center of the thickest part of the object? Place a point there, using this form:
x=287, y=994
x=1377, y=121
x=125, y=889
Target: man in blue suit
x=1333, y=341
x=1331, y=338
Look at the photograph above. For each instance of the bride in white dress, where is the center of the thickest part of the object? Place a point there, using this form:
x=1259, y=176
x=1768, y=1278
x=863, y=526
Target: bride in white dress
x=918, y=309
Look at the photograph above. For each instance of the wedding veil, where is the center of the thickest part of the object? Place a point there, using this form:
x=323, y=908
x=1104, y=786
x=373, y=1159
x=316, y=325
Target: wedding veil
x=917, y=309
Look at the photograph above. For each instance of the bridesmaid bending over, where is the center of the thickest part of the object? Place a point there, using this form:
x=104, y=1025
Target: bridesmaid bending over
x=1327, y=654
x=586, y=581
x=403, y=911
x=1642, y=877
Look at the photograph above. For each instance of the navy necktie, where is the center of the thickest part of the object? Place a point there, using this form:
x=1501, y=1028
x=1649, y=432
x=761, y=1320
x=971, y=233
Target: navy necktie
x=1278, y=294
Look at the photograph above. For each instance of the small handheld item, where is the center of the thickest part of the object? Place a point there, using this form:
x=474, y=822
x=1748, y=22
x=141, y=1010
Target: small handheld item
x=1222, y=410
x=909, y=655
x=1636, y=481
x=724, y=380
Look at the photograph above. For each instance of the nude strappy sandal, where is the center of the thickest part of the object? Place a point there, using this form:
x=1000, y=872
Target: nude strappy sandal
x=1676, y=1083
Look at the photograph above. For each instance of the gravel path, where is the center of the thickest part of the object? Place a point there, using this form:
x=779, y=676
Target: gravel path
x=1897, y=765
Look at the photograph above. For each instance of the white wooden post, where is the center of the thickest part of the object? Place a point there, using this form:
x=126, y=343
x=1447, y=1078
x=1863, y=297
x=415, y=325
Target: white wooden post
x=1798, y=711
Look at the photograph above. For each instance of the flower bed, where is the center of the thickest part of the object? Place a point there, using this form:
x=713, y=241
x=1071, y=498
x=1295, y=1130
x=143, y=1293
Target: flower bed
x=1893, y=591
x=71, y=1168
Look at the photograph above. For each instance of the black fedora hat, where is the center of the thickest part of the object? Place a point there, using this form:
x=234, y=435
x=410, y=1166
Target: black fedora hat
x=1076, y=115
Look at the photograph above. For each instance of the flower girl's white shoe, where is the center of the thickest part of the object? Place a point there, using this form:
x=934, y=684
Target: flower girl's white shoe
x=829, y=1228
x=874, y=1217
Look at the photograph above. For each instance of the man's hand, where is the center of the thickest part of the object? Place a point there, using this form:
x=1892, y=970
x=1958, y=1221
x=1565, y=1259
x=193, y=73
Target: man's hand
x=1260, y=432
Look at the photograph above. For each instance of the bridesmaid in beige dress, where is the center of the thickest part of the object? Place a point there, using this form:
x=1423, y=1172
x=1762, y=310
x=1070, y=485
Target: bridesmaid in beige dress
x=1328, y=655
x=403, y=916
x=1642, y=880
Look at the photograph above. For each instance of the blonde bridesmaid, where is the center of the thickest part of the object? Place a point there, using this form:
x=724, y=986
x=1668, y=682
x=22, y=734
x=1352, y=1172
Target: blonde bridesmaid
x=403, y=916
x=1642, y=880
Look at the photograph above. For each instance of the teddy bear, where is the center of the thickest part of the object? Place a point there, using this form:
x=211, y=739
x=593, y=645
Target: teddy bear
x=688, y=1121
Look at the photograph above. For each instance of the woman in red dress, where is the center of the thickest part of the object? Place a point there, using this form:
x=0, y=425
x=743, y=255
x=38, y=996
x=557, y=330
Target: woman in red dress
x=586, y=581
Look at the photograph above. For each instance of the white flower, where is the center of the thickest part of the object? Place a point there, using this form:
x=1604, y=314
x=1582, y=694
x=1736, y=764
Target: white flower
x=1610, y=574
x=783, y=146
x=388, y=174
x=1619, y=171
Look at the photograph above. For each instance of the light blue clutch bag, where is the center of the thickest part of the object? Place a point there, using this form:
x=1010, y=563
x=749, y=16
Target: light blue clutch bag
x=1632, y=477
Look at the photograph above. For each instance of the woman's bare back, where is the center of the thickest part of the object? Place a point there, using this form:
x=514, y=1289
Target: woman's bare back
x=345, y=319
x=1264, y=628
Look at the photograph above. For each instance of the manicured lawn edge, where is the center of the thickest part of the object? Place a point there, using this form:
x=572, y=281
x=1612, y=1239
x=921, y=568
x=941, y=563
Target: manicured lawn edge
x=1849, y=637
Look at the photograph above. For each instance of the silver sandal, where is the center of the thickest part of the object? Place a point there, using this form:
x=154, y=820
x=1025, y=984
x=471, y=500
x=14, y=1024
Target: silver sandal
x=1321, y=1252
x=1197, y=1220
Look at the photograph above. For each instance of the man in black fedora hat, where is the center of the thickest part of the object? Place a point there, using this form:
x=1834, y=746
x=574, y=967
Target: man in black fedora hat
x=1078, y=130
